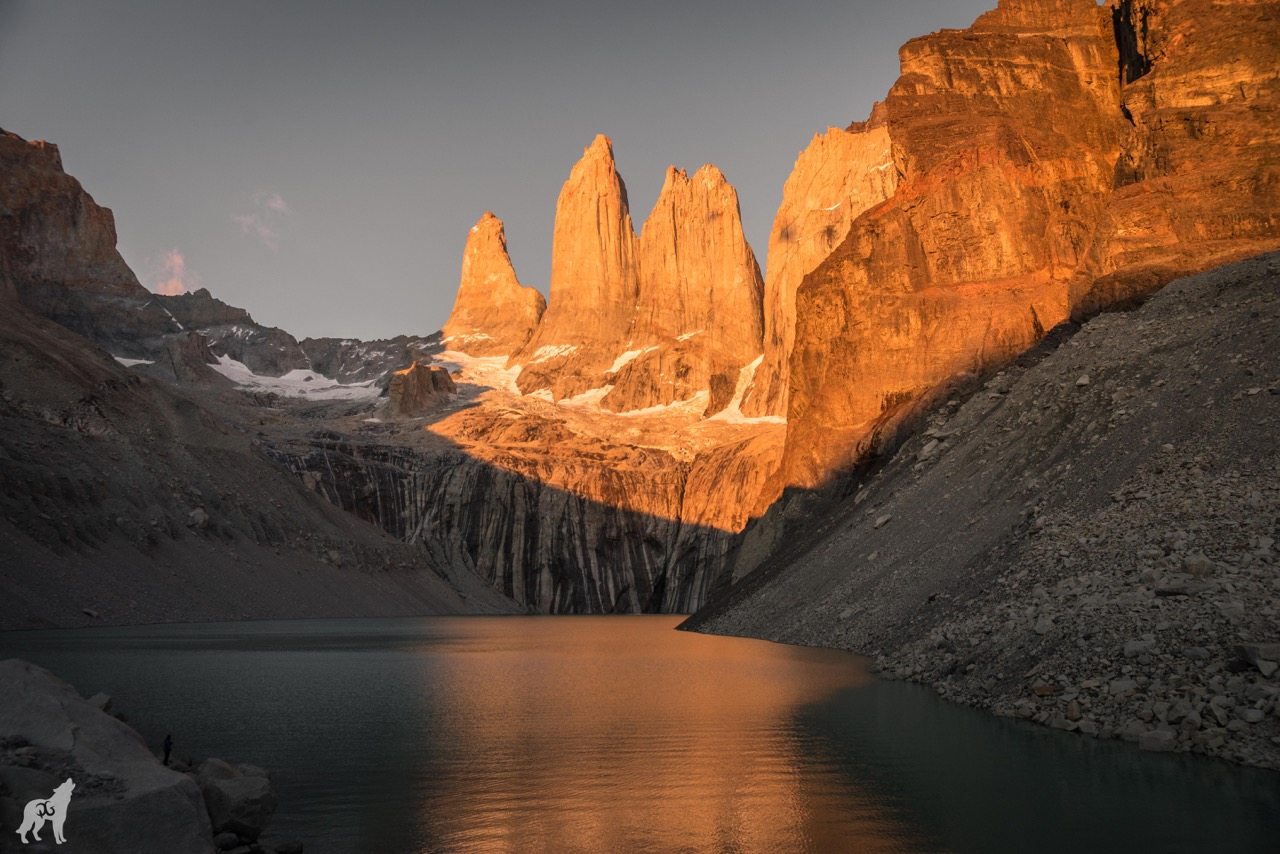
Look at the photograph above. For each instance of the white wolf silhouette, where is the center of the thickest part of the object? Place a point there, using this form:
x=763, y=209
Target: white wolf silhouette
x=52, y=810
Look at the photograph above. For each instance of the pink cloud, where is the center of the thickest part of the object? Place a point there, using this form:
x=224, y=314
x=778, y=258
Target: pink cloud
x=263, y=222
x=273, y=202
x=254, y=225
x=171, y=276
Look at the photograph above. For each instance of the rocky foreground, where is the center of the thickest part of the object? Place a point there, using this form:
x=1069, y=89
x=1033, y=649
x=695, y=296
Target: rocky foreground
x=124, y=798
x=1086, y=540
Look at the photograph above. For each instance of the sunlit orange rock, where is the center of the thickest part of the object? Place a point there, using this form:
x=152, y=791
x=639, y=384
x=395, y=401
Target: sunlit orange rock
x=1198, y=179
x=1027, y=192
x=594, y=281
x=697, y=319
x=1052, y=159
x=493, y=314
x=652, y=320
x=841, y=174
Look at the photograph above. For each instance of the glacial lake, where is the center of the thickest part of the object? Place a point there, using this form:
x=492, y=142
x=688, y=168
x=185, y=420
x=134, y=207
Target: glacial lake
x=619, y=734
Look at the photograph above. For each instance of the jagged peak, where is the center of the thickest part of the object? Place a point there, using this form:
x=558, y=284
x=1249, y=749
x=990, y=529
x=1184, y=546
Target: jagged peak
x=673, y=176
x=710, y=174
x=489, y=225
x=487, y=247
x=601, y=148
x=597, y=168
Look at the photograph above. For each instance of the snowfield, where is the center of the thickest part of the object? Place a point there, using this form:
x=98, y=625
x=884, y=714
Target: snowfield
x=297, y=383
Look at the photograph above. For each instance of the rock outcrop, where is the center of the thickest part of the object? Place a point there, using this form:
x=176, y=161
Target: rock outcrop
x=418, y=389
x=186, y=359
x=1032, y=183
x=493, y=314
x=240, y=800
x=1052, y=160
x=1197, y=182
x=563, y=509
x=124, y=799
x=62, y=263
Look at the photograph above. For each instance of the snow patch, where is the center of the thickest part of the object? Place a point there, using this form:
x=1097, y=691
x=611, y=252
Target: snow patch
x=733, y=412
x=129, y=363
x=629, y=356
x=487, y=371
x=695, y=404
x=181, y=328
x=688, y=335
x=553, y=351
x=589, y=399
x=297, y=383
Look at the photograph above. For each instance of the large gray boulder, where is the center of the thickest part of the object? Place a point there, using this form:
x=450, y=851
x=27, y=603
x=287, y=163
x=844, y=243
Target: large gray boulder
x=124, y=799
x=240, y=800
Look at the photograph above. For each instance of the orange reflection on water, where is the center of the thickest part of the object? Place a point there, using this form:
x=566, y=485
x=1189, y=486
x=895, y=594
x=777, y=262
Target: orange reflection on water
x=620, y=734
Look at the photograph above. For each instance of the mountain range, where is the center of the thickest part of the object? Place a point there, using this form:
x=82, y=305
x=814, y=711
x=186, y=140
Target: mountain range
x=668, y=417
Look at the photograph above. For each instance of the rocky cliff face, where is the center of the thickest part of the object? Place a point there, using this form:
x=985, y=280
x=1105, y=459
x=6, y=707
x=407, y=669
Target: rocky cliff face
x=1012, y=177
x=1053, y=159
x=1198, y=177
x=349, y=360
x=60, y=251
x=51, y=230
x=493, y=314
x=563, y=508
x=843, y=173
x=1030, y=187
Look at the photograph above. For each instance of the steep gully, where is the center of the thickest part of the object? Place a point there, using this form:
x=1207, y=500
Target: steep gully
x=626, y=444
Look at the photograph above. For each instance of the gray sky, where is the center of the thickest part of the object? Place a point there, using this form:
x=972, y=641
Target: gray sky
x=320, y=163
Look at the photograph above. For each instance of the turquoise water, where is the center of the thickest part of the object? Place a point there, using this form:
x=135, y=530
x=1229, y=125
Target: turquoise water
x=621, y=734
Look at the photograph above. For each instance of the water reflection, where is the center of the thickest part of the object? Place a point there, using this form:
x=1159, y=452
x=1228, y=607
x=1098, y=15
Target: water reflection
x=576, y=735
x=620, y=734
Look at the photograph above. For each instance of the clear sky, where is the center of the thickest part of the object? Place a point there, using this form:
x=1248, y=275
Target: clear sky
x=320, y=163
